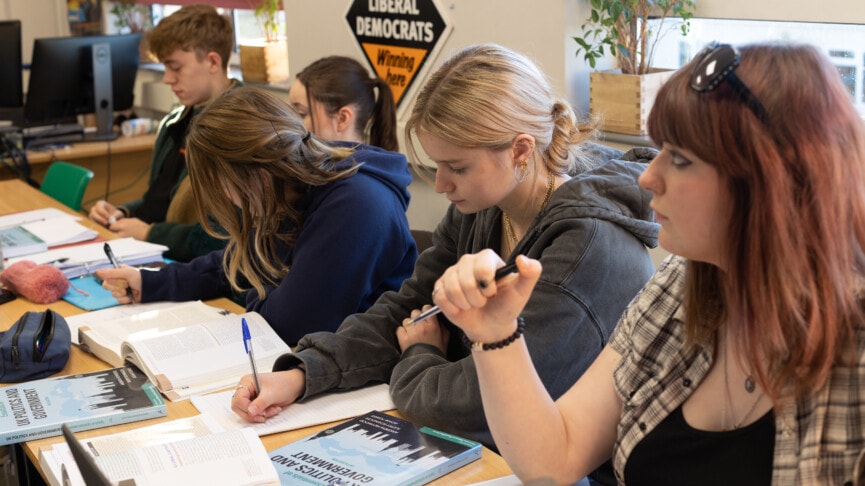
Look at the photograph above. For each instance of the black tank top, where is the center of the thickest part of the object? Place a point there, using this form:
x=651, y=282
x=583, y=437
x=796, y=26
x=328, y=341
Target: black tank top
x=674, y=453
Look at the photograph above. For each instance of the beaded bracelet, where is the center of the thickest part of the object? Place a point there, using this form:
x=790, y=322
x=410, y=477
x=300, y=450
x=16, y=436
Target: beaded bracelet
x=479, y=346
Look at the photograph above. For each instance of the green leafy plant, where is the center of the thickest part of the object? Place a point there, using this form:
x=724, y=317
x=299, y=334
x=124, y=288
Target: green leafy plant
x=128, y=14
x=267, y=12
x=621, y=27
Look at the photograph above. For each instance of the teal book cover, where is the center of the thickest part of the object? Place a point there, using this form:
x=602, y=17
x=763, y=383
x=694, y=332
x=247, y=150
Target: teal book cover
x=36, y=409
x=373, y=449
x=17, y=241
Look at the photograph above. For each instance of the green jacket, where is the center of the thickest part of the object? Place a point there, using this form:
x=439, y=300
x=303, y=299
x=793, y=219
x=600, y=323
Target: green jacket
x=186, y=238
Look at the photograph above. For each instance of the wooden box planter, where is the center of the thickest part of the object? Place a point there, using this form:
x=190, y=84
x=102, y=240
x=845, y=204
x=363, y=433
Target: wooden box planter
x=264, y=62
x=623, y=101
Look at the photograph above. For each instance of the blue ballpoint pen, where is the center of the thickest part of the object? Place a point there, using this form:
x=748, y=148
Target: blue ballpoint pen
x=247, y=344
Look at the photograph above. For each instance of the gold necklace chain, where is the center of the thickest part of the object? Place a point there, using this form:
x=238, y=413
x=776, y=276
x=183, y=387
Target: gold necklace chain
x=749, y=387
x=510, y=234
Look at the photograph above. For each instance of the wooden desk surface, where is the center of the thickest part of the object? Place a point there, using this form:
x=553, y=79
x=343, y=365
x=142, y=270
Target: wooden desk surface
x=18, y=196
x=121, y=168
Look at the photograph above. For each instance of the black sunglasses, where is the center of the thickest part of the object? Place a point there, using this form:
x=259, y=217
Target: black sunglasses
x=715, y=64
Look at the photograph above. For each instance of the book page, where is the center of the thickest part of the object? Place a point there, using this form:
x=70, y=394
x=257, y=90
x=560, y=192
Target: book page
x=85, y=258
x=209, y=353
x=16, y=219
x=322, y=409
x=60, y=231
x=53, y=457
x=110, y=334
x=220, y=457
x=131, y=312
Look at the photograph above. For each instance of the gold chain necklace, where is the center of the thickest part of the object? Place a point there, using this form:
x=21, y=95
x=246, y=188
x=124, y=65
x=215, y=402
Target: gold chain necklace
x=510, y=234
x=749, y=387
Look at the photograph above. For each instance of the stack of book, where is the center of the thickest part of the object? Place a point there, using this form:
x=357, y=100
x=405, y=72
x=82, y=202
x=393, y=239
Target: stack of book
x=35, y=231
x=84, y=259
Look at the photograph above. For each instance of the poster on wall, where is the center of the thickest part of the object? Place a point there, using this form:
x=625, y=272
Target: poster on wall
x=85, y=17
x=398, y=37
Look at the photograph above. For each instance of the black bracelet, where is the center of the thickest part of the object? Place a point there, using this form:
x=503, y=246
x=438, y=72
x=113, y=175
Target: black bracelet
x=479, y=346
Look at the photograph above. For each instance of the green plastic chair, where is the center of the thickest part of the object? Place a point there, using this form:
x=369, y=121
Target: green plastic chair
x=66, y=183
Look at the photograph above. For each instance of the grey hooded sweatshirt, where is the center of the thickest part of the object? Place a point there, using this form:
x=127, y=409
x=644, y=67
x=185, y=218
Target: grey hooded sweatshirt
x=591, y=239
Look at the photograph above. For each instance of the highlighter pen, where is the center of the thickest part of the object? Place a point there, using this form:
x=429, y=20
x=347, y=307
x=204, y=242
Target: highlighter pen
x=500, y=274
x=247, y=344
x=110, y=255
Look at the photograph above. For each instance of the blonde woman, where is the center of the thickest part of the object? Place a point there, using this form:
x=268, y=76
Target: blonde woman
x=316, y=230
x=511, y=159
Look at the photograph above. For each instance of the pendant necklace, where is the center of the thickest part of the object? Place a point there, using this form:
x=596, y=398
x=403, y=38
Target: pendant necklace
x=510, y=234
x=750, y=386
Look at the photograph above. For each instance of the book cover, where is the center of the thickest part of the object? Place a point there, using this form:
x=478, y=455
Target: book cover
x=37, y=409
x=373, y=449
x=17, y=241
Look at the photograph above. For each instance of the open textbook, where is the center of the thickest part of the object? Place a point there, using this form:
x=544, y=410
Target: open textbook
x=193, y=450
x=86, y=258
x=184, y=349
x=321, y=409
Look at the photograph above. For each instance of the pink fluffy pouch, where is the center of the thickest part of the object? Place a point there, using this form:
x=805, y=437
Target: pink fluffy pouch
x=42, y=284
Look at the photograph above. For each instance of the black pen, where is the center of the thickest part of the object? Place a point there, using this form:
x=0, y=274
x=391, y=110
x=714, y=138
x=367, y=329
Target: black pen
x=500, y=274
x=110, y=255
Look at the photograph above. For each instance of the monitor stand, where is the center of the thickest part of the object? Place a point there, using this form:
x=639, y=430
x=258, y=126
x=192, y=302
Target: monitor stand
x=103, y=95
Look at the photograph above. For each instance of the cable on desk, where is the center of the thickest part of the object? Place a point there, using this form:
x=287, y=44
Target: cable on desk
x=9, y=150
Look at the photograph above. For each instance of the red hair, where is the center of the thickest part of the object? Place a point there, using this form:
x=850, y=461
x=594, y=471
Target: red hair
x=789, y=294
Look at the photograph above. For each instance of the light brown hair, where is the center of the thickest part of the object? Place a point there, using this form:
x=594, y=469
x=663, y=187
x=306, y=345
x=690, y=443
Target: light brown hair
x=252, y=146
x=790, y=292
x=198, y=28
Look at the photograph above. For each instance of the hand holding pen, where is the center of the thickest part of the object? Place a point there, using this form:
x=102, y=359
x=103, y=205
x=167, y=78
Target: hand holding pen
x=500, y=274
x=110, y=254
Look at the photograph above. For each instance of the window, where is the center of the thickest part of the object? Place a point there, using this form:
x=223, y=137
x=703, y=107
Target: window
x=843, y=43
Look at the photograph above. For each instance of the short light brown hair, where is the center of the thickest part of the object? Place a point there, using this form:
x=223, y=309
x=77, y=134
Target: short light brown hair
x=198, y=28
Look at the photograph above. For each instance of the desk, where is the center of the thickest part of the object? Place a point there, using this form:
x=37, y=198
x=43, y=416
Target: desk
x=18, y=196
x=129, y=159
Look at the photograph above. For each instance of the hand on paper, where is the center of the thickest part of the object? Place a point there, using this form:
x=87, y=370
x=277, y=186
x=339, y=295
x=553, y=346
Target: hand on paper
x=279, y=390
x=103, y=212
x=116, y=280
x=132, y=227
x=486, y=314
x=427, y=331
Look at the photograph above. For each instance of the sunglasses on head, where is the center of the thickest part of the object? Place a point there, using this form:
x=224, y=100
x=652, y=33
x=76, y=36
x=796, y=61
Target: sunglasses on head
x=716, y=63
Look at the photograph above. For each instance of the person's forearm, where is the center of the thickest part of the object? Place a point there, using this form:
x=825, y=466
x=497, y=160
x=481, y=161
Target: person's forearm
x=523, y=419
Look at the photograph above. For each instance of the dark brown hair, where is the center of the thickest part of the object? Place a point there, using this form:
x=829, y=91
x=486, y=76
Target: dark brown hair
x=338, y=81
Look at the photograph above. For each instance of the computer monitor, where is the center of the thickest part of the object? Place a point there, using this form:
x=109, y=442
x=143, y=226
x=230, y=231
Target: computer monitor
x=11, y=87
x=72, y=76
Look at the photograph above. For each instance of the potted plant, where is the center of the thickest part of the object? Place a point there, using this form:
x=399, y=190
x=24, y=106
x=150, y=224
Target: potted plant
x=130, y=17
x=265, y=60
x=623, y=99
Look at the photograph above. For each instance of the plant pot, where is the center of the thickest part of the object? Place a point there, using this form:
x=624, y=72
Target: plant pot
x=622, y=102
x=264, y=62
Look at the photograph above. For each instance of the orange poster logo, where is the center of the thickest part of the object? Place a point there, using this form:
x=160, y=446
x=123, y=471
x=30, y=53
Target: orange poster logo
x=395, y=64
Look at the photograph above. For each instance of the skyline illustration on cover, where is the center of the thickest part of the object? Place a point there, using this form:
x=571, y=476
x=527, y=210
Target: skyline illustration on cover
x=37, y=408
x=375, y=446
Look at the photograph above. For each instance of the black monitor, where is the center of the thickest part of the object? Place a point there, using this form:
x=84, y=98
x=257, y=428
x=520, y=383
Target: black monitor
x=11, y=88
x=72, y=76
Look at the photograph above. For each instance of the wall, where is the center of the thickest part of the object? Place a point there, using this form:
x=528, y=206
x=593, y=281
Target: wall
x=539, y=29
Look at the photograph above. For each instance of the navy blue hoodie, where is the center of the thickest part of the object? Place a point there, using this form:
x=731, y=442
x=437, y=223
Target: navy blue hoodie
x=354, y=245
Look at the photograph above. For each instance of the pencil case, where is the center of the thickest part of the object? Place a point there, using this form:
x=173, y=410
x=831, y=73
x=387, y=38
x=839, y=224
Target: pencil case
x=36, y=346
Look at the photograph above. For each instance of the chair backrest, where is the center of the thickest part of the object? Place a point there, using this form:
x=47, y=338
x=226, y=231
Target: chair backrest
x=422, y=238
x=66, y=183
